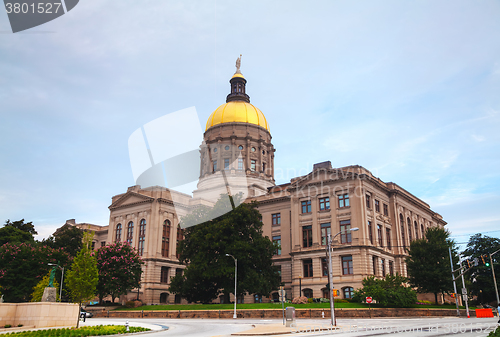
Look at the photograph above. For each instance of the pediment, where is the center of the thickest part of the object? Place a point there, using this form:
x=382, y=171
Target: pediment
x=129, y=199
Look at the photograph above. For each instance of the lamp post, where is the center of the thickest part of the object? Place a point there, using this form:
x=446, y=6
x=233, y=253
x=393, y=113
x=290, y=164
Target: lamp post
x=494, y=278
x=62, y=279
x=235, y=278
x=330, y=273
x=300, y=285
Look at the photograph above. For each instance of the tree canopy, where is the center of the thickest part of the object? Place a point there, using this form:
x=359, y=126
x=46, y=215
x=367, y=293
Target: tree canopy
x=390, y=291
x=13, y=235
x=23, y=265
x=119, y=267
x=24, y=226
x=480, y=277
x=68, y=237
x=209, y=272
x=428, y=262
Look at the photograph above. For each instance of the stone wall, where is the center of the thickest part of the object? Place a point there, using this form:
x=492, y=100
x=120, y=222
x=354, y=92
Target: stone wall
x=39, y=314
x=277, y=313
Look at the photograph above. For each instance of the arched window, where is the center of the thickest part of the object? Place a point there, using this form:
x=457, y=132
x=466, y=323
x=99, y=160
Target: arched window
x=409, y=228
x=402, y=222
x=130, y=232
x=348, y=292
x=416, y=230
x=142, y=236
x=118, y=237
x=422, y=229
x=165, y=238
x=308, y=293
x=325, y=293
x=163, y=297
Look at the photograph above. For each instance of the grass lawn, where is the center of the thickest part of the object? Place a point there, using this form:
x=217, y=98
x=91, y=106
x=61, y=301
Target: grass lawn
x=269, y=306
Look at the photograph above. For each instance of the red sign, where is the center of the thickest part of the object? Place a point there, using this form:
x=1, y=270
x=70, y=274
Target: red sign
x=369, y=300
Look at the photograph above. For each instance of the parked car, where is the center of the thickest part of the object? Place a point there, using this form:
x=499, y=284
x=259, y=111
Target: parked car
x=85, y=313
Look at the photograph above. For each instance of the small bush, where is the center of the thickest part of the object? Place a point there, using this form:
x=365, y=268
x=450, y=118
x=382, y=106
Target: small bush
x=340, y=300
x=324, y=300
x=19, y=325
x=309, y=300
x=7, y=325
x=495, y=333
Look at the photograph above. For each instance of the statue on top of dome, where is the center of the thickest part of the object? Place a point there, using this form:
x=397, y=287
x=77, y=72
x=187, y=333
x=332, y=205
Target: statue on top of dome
x=238, y=65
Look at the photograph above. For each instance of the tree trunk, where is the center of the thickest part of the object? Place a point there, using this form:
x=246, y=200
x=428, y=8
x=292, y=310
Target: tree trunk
x=79, y=313
x=436, y=298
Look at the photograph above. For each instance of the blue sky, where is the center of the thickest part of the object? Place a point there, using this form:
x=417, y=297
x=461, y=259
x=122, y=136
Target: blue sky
x=409, y=90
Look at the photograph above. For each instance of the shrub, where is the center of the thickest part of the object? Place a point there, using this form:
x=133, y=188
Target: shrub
x=495, y=333
x=7, y=325
x=300, y=300
x=340, y=300
x=19, y=325
x=389, y=292
x=309, y=300
x=324, y=300
x=130, y=304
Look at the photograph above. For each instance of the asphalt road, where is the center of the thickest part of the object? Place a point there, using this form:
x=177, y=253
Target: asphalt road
x=428, y=327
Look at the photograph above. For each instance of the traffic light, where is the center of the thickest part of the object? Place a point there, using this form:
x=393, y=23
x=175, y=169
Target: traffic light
x=469, y=263
x=486, y=262
x=335, y=293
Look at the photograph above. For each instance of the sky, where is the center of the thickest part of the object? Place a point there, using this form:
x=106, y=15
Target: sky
x=409, y=90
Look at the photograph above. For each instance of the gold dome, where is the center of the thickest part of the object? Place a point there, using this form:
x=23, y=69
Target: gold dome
x=237, y=111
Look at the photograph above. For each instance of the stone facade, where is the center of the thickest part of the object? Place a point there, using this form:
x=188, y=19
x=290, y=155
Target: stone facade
x=299, y=215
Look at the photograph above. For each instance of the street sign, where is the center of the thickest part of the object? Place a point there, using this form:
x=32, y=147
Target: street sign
x=369, y=300
x=464, y=291
x=282, y=293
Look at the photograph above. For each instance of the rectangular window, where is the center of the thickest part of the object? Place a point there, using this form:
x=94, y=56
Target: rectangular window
x=324, y=267
x=345, y=229
x=403, y=239
x=215, y=165
x=324, y=204
x=308, y=268
x=391, y=268
x=264, y=167
x=325, y=230
x=370, y=232
x=386, y=210
x=343, y=200
x=379, y=236
x=368, y=201
x=377, y=205
x=277, y=239
x=306, y=206
x=240, y=164
x=253, y=165
x=103, y=243
x=276, y=219
x=279, y=273
x=226, y=164
x=374, y=262
x=382, y=263
x=93, y=245
x=347, y=265
x=306, y=236
x=164, y=275
x=388, y=237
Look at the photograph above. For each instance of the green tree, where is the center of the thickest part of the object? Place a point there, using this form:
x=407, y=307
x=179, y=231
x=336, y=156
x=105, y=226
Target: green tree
x=68, y=237
x=38, y=290
x=10, y=234
x=119, y=267
x=428, y=262
x=82, y=277
x=209, y=272
x=23, y=265
x=389, y=292
x=24, y=226
x=480, y=277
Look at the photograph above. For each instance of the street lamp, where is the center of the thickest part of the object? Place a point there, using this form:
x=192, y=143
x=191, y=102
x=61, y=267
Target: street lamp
x=494, y=278
x=330, y=273
x=62, y=278
x=235, y=278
